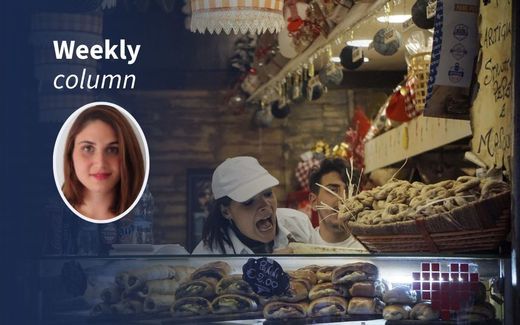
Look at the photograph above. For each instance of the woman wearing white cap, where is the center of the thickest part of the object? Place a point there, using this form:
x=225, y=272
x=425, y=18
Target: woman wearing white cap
x=245, y=218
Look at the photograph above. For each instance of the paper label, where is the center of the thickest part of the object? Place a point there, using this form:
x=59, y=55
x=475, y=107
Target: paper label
x=431, y=9
x=357, y=54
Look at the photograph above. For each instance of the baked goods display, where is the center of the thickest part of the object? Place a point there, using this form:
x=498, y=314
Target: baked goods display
x=400, y=295
x=212, y=272
x=322, y=293
x=365, y=306
x=328, y=289
x=145, y=290
x=400, y=200
x=195, y=288
x=367, y=289
x=398, y=301
x=396, y=312
x=234, y=284
x=191, y=306
x=328, y=306
x=354, y=272
x=285, y=310
x=233, y=303
x=424, y=311
x=156, y=303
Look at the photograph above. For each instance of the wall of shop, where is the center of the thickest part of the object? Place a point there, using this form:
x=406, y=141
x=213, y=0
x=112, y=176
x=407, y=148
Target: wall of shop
x=195, y=129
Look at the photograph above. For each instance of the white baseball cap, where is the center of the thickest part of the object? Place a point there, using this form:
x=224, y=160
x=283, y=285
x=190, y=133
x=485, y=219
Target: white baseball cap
x=241, y=178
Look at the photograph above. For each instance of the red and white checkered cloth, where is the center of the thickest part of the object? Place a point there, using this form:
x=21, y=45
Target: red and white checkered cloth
x=409, y=99
x=302, y=171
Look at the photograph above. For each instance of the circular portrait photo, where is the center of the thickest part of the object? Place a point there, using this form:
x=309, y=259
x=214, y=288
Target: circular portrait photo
x=101, y=162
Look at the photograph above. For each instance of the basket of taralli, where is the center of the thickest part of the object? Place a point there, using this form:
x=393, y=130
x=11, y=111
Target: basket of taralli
x=463, y=215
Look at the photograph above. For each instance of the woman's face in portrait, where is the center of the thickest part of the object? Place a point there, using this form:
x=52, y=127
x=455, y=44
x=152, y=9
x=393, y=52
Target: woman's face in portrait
x=96, y=157
x=256, y=217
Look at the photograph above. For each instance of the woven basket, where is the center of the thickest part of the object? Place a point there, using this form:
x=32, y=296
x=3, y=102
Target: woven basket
x=419, y=69
x=478, y=226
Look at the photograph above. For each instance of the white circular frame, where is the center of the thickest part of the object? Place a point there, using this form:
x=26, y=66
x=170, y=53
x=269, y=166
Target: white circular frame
x=59, y=151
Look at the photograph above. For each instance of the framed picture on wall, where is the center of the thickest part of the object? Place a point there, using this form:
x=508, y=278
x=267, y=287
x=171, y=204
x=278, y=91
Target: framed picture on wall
x=198, y=198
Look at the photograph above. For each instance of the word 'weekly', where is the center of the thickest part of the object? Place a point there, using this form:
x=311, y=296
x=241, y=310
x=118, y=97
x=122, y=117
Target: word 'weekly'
x=107, y=51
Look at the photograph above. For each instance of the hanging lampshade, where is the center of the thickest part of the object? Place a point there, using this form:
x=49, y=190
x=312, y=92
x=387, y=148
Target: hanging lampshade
x=239, y=16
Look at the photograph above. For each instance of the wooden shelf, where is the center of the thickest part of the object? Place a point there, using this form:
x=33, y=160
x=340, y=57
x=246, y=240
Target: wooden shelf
x=410, y=139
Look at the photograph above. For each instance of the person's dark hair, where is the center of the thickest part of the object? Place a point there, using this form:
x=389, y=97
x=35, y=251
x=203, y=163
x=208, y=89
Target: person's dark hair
x=131, y=162
x=215, y=230
x=327, y=166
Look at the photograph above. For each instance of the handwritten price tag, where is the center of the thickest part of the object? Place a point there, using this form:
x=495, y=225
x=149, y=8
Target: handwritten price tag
x=265, y=276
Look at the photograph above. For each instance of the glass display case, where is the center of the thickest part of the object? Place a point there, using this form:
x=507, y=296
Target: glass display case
x=149, y=289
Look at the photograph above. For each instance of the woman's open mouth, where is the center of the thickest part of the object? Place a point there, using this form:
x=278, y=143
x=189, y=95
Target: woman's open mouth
x=265, y=224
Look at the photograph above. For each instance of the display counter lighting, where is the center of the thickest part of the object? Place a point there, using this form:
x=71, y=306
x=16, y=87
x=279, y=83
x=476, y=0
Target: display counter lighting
x=393, y=19
x=359, y=42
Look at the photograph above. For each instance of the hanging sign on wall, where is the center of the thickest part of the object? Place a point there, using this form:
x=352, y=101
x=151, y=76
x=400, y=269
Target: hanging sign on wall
x=492, y=109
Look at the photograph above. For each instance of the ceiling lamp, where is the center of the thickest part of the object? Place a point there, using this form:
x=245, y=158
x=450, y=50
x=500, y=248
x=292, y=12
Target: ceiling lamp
x=359, y=42
x=393, y=19
x=239, y=16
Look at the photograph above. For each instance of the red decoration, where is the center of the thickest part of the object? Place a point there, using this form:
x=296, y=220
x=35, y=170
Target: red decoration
x=402, y=104
x=448, y=291
x=302, y=171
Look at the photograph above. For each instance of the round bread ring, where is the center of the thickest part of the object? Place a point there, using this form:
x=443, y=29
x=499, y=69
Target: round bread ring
x=440, y=208
x=417, y=201
x=364, y=213
x=413, y=192
x=349, y=209
x=379, y=204
x=383, y=192
x=454, y=202
x=398, y=195
x=450, y=204
x=372, y=218
x=436, y=193
x=467, y=185
x=395, y=212
x=366, y=198
x=428, y=211
x=425, y=189
x=377, y=217
x=447, y=184
x=465, y=179
x=493, y=187
x=418, y=185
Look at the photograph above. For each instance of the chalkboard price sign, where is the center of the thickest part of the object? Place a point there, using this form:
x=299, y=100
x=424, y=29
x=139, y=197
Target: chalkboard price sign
x=265, y=276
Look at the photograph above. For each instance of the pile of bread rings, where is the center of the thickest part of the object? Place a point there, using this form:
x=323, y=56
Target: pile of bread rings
x=400, y=200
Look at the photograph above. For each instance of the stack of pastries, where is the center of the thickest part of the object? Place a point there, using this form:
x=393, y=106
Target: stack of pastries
x=213, y=290
x=364, y=287
x=331, y=291
x=148, y=290
x=293, y=303
x=398, y=301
